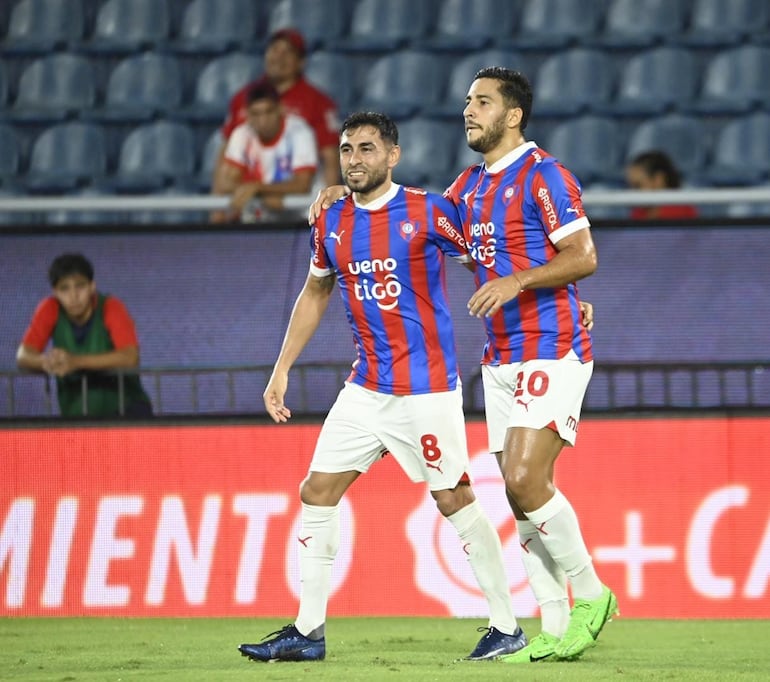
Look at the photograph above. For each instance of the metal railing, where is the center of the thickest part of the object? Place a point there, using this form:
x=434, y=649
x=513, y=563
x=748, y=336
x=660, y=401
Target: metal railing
x=236, y=390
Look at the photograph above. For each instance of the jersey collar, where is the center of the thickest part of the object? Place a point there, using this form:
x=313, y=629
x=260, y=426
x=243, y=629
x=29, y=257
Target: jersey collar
x=380, y=201
x=510, y=157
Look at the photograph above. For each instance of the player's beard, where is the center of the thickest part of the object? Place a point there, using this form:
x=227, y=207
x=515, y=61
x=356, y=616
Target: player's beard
x=490, y=138
x=372, y=180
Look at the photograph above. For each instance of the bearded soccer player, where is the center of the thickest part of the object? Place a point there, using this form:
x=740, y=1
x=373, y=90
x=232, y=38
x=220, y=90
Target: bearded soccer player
x=530, y=239
x=386, y=246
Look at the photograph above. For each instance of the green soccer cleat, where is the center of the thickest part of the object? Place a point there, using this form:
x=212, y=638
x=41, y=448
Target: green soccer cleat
x=586, y=621
x=540, y=648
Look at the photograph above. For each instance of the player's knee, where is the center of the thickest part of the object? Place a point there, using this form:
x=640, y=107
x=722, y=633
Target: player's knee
x=520, y=483
x=449, y=502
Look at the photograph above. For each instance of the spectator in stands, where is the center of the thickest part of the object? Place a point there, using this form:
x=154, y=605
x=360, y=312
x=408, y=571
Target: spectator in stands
x=284, y=64
x=272, y=157
x=91, y=332
x=655, y=170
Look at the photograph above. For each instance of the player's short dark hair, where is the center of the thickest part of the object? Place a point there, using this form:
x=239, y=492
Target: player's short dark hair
x=384, y=124
x=262, y=89
x=656, y=161
x=514, y=87
x=70, y=264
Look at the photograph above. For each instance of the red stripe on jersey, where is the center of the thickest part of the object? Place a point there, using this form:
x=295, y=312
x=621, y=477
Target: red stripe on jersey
x=418, y=272
x=392, y=320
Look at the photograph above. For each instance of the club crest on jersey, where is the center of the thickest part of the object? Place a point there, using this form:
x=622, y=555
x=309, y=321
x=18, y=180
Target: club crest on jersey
x=510, y=193
x=407, y=230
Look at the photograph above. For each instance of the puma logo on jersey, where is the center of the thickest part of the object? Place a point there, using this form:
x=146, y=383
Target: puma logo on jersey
x=338, y=237
x=519, y=401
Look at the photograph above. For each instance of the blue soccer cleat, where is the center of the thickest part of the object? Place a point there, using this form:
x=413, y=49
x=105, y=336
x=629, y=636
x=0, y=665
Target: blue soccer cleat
x=289, y=644
x=495, y=643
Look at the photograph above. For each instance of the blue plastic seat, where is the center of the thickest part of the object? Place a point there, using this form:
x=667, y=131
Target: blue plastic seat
x=67, y=156
x=741, y=151
x=378, y=26
x=573, y=81
x=321, y=24
x=556, y=24
x=154, y=156
x=10, y=153
x=219, y=80
x=656, y=81
x=3, y=85
x=207, y=159
x=333, y=73
x=641, y=23
x=142, y=87
x=684, y=138
x=54, y=88
x=426, y=152
x=403, y=84
x=736, y=80
x=125, y=26
x=725, y=23
x=468, y=26
x=589, y=146
x=217, y=26
x=41, y=26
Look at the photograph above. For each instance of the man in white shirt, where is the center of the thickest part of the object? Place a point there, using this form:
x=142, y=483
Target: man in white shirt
x=272, y=157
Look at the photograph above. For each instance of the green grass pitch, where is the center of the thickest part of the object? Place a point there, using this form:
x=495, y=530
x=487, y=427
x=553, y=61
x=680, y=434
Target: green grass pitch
x=371, y=649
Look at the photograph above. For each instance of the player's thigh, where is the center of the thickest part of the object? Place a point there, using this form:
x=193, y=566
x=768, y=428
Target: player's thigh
x=348, y=440
x=429, y=439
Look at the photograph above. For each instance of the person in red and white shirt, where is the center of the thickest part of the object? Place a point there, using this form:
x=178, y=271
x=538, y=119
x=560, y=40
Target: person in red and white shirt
x=271, y=157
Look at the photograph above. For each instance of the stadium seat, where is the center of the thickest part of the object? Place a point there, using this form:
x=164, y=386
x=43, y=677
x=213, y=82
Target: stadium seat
x=404, y=83
x=126, y=26
x=378, y=26
x=725, y=23
x=683, y=138
x=470, y=26
x=334, y=74
x=322, y=24
x=207, y=159
x=154, y=156
x=217, y=26
x=555, y=24
x=10, y=154
x=461, y=76
x=426, y=152
x=589, y=146
x=654, y=82
x=86, y=216
x=218, y=82
x=54, y=88
x=573, y=81
x=66, y=156
x=140, y=88
x=741, y=151
x=736, y=80
x=42, y=26
x=169, y=216
x=4, y=83
x=641, y=23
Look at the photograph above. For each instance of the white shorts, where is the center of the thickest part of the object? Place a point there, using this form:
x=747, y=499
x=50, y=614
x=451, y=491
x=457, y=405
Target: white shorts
x=535, y=394
x=425, y=433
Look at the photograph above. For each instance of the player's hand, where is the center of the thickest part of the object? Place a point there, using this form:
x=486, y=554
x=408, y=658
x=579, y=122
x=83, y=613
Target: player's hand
x=490, y=297
x=587, y=311
x=273, y=397
x=326, y=197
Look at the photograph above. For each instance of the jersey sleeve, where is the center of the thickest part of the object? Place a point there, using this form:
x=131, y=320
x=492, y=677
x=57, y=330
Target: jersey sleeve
x=319, y=260
x=556, y=194
x=235, y=152
x=119, y=324
x=448, y=228
x=42, y=324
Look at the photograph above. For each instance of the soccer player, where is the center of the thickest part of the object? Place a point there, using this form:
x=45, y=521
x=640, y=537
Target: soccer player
x=385, y=245
x=531, y=241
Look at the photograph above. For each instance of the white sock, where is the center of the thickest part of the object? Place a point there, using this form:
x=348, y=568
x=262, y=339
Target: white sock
x=546, y=578
x=559, y=530
x=318, y=542
x=485, y=554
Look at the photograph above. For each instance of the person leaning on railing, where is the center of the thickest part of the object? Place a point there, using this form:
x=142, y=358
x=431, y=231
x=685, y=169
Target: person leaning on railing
x=92, y=335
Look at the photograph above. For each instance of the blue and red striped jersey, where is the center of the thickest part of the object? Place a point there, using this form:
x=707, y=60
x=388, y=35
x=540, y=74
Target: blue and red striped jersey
x=513, y=213
x=388, y=258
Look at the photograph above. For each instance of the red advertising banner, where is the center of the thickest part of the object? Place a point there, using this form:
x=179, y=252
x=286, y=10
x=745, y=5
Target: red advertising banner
x=203, y=520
